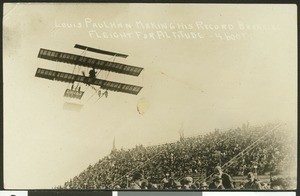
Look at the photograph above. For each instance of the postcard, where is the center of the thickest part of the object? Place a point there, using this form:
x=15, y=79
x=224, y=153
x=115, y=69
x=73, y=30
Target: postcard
x=118, y=96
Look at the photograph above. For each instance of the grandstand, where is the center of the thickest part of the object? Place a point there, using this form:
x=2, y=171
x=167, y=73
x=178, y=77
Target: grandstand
x=269, y=151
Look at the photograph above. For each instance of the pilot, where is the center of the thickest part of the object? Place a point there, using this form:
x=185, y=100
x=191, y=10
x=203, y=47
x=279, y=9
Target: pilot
x=92, y=73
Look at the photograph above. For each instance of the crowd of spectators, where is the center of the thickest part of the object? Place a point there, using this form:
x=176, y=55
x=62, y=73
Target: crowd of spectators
x=199, y=162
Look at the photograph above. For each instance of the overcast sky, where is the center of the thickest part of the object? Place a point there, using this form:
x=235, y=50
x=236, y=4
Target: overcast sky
x=240, y=66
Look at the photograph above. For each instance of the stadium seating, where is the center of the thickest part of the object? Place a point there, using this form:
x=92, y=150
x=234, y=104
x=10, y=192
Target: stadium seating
x=263, y=150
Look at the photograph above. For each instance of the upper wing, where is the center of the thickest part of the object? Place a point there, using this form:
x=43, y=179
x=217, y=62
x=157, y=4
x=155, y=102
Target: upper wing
x=89, y=62
x=100, y=51
x=104, y=84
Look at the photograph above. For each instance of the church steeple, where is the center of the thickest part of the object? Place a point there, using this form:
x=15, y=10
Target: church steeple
x=181, y=132
x=114, y=146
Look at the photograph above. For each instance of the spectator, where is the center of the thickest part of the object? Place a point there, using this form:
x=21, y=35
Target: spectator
x=252, y=183
x=187, y=182
x=137, y=181
x=217, y=183
x=226, y=179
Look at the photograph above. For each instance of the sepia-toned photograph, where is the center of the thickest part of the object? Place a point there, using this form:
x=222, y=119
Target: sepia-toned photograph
x=125, y=96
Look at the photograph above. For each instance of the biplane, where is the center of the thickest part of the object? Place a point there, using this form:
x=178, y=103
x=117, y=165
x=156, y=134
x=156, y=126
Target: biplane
x=93, y=65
